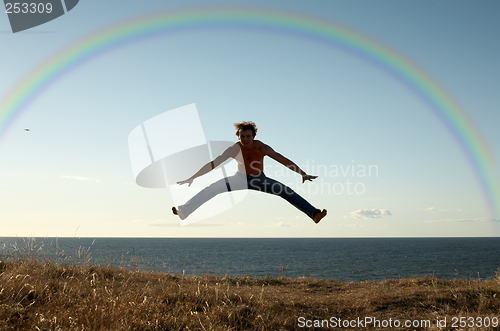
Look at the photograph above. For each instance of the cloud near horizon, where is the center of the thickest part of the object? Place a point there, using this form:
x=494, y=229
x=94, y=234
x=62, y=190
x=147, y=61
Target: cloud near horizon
x=443, y=210
x=81, y=178
x=370, y=213
x=342, y=225
x=466, y=220
x=280, y=224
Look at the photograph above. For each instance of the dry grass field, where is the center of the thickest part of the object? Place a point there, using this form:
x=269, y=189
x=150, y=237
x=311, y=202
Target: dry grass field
x=46, y=296
x=43, y=288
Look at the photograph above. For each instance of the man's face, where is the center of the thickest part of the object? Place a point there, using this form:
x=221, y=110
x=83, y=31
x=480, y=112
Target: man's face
x=246, y=137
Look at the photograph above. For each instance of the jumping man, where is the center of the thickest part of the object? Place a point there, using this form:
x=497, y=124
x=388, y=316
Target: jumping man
x=249, y=155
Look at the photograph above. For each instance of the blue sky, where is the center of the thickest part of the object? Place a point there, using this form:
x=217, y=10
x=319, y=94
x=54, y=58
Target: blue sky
x=314, y=103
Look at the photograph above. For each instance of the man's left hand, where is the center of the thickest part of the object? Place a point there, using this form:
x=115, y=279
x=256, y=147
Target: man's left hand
x=308, y=177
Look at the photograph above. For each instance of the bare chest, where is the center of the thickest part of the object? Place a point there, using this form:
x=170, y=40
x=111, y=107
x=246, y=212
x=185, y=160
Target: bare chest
x=253, y=155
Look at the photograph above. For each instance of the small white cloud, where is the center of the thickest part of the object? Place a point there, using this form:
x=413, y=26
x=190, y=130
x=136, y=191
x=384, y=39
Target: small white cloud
x=475, y=220
x=370, y=213
x=441, y=210
x=342, y=225
x=81, y=178
x=280, y=224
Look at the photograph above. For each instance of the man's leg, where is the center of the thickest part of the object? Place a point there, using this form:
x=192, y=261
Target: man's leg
x=220, y=186
x=265, y=184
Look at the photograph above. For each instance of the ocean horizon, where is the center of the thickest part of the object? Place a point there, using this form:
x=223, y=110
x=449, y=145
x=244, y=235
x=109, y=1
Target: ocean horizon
x=342, y=259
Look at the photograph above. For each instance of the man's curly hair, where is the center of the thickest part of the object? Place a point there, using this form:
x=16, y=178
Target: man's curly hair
x=247, y=125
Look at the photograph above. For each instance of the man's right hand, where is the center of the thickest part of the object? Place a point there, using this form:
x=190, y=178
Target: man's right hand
x=189, y=181
x=308, y=177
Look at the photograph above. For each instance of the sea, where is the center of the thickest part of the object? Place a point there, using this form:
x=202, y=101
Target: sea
x=341, y=259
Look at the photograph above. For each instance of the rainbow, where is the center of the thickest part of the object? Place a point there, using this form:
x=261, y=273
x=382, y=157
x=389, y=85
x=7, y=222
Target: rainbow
x=435, y=97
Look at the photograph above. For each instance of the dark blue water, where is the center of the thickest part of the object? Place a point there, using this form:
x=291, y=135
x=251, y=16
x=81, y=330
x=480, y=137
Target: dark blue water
x=345, y=259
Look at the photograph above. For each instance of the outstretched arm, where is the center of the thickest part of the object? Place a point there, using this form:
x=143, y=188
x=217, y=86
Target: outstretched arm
x=229, y=152
x=287, y=163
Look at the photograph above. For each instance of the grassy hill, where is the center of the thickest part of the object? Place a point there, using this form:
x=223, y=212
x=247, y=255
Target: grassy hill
x=46, y=296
